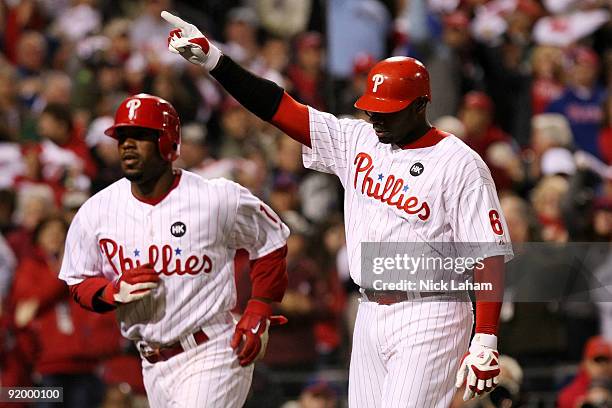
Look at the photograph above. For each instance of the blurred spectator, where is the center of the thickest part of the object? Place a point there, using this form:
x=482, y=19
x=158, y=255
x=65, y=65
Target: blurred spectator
x=356, y=87
x=284, y=18
x=35, y=202
x=118, y=396
x=546, y=86
x=586, y=197
x=557, y=161
x=104, y=152
x=602, y=218
x=8, y=203
x=71, y=202
x=63, y=152
x=77, y=21
x=345, y=43
x=317, y=394
x=477, y=116
x=566, y=29
x=194, y=151
x=330, y=331
x=7, y=268
x=11, y=113
x=605, y=134
x=20, y=17
x=522, y=223
x=11, y=162
x=275, y=54
x=283, y=197
x=148, y=32
x=582, y=101
x=119, y=46
x=241, y=35
x=31, y=54
x=70, y=341
x=236, y=127
x=546, y=200
x=56, y=89
x=548, y=130
x=481, y=134
x=306, y=75
x=596, y=364
x=451, y=125
x=599, y=394
x=451, y=68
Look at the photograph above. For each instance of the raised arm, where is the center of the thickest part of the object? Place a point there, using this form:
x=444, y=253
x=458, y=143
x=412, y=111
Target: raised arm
x=262, y=97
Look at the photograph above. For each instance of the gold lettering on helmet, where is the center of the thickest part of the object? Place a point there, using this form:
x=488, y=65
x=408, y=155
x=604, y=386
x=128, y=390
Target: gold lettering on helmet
x=377, y=79
x=132, y=105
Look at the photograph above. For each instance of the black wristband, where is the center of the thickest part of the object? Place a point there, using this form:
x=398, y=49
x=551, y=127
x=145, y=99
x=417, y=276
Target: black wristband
x=257, y=94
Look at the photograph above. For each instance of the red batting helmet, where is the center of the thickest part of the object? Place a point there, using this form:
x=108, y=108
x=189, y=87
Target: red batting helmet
x=393, y=84
x=151, y=112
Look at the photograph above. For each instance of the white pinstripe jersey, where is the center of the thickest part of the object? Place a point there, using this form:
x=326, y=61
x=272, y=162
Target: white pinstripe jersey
x=191, y=237
x=440, y=193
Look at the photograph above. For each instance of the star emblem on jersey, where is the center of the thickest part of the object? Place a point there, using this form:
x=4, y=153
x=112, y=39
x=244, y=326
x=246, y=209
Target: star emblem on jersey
x=178, y=251
x=405, y=188
x=136, y=253
x=178, y=229
x=416, y=169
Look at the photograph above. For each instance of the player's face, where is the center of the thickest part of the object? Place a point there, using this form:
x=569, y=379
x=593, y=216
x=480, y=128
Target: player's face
x=398, y=127
x=139, y=153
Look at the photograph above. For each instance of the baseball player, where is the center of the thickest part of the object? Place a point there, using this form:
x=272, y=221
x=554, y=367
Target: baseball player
x=158, y=246
x=404, y=181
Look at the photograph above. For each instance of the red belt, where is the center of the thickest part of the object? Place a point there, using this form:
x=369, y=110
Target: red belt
x=167, y=352
x=390, y=297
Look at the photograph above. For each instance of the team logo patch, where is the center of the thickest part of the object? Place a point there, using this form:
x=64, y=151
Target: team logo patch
x=416, y=169
x=132, y=105
x=378, y=79
x=178, y=229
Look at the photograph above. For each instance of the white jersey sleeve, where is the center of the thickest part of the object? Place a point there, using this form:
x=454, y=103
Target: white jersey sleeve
x=477, y=218
x=330, y=140
x=257, y=228
x=82, y=257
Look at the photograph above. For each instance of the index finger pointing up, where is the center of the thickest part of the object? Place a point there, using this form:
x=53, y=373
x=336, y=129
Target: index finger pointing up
x=174, y=20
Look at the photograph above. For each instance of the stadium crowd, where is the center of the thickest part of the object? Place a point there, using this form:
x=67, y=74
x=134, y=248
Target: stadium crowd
x=526, y=83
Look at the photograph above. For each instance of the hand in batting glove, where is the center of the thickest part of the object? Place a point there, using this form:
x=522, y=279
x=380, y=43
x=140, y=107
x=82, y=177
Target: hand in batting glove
x=480, y=365
x=133, y=285
x=189, y=42
x=252, y=331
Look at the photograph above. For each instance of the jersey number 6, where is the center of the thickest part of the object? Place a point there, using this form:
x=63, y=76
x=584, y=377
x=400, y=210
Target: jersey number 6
x=496, y=224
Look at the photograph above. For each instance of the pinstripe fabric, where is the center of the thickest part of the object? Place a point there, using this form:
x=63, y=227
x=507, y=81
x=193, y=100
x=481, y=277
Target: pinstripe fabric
x=205, y=376
x=406, y=355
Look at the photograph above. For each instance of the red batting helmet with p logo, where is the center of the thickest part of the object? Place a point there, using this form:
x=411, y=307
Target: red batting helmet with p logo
x=393, y=84
x=151, y=112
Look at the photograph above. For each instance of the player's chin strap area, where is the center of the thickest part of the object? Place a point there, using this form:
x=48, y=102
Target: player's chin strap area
x=156, y=353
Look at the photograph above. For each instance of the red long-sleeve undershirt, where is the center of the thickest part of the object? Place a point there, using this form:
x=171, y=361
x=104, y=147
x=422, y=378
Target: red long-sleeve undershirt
x=292, y=118
x=488, y=303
